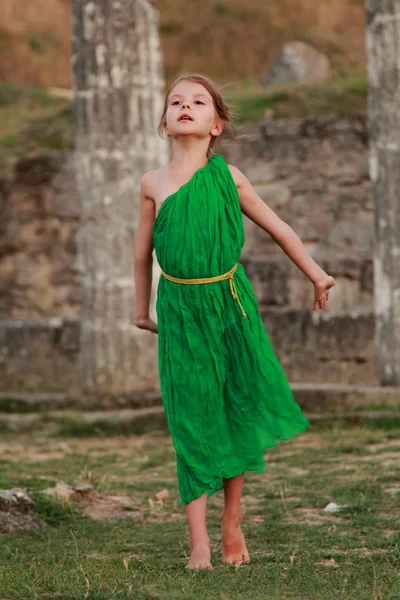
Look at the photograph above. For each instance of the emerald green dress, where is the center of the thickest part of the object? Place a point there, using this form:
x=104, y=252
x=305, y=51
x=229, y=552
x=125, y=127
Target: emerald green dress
x=225, y=395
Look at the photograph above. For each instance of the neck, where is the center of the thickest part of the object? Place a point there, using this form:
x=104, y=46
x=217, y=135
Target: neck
x=188, y=154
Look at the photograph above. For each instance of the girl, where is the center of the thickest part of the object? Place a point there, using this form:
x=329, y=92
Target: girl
x=225, y=395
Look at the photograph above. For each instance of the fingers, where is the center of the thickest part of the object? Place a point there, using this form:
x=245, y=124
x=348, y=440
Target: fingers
x=323, y=300
x=320, y=302
x=321, y=294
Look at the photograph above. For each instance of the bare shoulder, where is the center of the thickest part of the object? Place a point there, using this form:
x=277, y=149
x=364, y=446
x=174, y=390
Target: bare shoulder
x=237, y=175
x=149, y=182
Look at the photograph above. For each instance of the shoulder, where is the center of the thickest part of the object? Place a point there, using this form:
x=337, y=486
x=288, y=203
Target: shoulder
x=149, y=182
x=237, y=176
x=149, y=177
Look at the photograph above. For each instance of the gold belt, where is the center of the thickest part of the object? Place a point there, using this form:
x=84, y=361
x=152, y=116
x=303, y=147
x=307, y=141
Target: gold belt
x=227, y=275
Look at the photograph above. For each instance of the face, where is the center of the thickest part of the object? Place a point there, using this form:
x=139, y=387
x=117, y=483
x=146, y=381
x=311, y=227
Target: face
x=193, y=100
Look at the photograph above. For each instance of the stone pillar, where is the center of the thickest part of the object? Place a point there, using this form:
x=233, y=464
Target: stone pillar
x=383, y=35
x=118, y=89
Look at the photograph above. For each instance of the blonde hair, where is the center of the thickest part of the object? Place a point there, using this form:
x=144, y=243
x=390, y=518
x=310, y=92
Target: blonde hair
x=223, y=110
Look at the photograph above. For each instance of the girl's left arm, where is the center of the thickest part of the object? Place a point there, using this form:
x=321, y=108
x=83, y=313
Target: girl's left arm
x=256, y=209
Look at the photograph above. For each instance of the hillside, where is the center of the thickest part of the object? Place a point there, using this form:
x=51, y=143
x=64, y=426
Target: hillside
x=230, y=40
x=32, y=122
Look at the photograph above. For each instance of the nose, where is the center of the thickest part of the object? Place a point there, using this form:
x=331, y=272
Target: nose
x=186, y=103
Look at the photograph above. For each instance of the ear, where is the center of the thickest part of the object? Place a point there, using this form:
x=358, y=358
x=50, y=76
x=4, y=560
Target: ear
x=166, y=129
x=218, y=127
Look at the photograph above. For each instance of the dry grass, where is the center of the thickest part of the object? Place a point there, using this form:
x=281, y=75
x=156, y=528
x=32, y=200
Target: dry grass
x=35, y=42
x=228, y=39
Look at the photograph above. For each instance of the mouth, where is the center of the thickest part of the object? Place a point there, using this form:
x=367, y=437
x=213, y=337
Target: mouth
x=185, y=118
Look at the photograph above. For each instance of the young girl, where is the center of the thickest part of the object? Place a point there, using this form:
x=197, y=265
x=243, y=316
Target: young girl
x=225, y=395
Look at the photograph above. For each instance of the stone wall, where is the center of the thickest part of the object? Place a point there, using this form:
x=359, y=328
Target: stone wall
x=313, y=173
x=39, y=218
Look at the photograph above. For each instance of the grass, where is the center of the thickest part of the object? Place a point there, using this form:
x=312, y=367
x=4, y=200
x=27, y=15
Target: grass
x=298, y=551
x=346, y=93
x=32, y=122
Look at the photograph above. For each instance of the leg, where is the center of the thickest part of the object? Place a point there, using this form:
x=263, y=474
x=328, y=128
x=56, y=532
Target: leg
x=199, y=540
x=234, y=549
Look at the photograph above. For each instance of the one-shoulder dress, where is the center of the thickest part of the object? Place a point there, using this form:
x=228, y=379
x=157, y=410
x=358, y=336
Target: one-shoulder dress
x=224, y=392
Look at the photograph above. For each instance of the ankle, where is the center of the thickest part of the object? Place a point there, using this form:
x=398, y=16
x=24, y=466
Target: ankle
x=199, y=540
x=232, y=515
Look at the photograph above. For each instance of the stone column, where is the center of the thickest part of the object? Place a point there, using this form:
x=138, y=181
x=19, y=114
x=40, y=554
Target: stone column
x=118, y=90
x=383, y=47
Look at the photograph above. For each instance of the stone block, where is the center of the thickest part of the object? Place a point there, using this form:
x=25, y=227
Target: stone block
x=269, y=280
x=353, y=233
x=323, y=347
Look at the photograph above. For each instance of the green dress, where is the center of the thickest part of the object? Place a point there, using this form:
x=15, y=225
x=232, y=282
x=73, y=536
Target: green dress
x=224, y=392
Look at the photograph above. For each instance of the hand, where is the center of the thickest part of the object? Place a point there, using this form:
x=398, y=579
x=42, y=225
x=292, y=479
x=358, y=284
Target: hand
x=321, y=291
x=147, y=324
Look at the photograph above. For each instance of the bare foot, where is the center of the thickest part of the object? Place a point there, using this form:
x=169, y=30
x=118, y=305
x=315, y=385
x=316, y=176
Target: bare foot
x=234, y=550
x=199, y=556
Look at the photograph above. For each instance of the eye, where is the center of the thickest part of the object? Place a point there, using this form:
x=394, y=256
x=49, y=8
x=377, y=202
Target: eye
x=199, y=102
x=175, y=102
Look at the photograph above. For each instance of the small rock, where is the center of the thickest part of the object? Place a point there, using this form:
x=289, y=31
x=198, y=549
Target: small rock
x=333, y=508
x=16, y=508
x=81, y=492
x=15, y=500
x=64, y=446
x=83, y=487
x=163, y=495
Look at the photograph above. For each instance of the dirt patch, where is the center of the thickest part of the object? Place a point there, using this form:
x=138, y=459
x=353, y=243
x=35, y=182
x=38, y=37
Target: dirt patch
x=388, y=444
x=256, y=519
x=164, y=516
x=368, y=551
x=384, y=458
x=341, y=468
x=390, y=532
x=250, y=500
x=394, y=489
x=297, y=471
x=100, y=506
x=327, y=562
x=310, y=440
x=43, y=456
x=312, y=516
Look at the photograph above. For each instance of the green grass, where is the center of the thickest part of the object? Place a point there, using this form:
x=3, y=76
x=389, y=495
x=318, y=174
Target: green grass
x=32, y=122
x=346, y=93
x=298, y=551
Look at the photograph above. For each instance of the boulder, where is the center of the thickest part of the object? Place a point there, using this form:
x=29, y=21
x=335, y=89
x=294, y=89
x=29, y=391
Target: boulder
x=16, y=512
x=297, y=62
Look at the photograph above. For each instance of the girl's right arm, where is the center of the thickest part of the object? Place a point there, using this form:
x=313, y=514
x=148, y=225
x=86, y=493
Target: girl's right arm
x=143, y=258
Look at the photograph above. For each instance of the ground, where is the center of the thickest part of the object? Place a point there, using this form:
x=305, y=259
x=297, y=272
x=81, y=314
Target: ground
x=89, y=550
